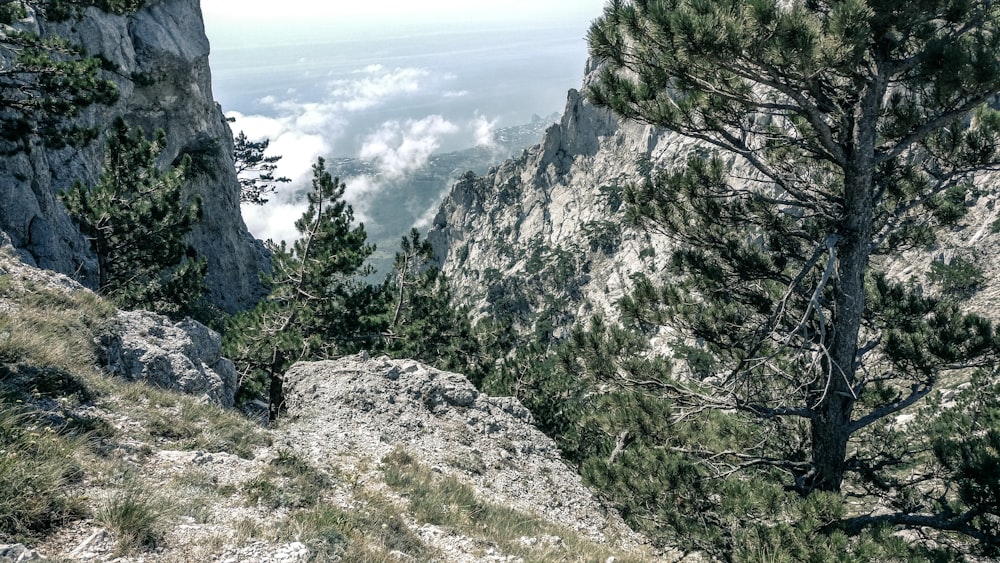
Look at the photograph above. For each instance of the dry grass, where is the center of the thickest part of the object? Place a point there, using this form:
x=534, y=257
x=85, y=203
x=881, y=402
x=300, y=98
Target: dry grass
x=135, y=518
x=67, y=431
x=38, y=469
x=447, y=502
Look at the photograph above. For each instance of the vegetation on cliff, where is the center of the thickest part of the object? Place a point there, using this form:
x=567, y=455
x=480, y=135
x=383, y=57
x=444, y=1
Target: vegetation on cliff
x=137, y=221
x=46, y=79
x=832, y=137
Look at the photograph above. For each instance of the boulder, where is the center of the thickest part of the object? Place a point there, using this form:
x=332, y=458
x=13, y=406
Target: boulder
x=17, y=553
x=370, y=406
x=184, y=356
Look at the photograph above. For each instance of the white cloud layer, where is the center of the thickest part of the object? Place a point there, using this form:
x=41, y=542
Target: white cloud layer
x=484, y=130
x=275, y=220
x=398, y=148
x=376, y=84
x=302, y=130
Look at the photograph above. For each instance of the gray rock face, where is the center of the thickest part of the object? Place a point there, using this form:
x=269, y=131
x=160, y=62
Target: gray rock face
x=545, y=233
x=161, y=54
x=184, y=357
x=358, y=404
x=17, y=553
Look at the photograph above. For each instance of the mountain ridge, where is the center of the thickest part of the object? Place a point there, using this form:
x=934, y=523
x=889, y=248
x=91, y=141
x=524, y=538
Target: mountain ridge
x=544, y=235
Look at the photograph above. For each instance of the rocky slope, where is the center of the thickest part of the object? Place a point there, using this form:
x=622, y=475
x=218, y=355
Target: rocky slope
x=161, y=57
x=544, y=232
x=542, y=237
x=360, y=404
x=378, y=460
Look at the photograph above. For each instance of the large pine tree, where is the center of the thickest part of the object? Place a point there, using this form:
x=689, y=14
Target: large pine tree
x=834, y=134
x=137, y=220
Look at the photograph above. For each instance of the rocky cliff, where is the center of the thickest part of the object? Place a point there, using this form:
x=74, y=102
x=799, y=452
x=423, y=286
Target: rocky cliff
x=543, y=237
x=161, y=56
x=544, y=232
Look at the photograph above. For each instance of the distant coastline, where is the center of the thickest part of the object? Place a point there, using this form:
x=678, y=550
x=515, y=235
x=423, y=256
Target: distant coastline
x=400, y=99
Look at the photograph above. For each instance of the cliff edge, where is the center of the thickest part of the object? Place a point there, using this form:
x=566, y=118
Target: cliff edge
x=160, y=54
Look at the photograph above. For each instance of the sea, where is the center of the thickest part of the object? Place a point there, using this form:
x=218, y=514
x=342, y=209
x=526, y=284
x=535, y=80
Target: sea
x=387, y=103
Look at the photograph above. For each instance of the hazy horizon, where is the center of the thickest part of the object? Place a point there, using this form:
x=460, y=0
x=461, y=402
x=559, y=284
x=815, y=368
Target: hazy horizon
x=222, y=13
x=386, y=88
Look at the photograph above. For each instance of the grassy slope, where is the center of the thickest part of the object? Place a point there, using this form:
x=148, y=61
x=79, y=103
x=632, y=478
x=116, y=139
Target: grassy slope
x=171, y=478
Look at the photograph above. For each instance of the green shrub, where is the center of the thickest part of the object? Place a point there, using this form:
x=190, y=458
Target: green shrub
x=959, y=279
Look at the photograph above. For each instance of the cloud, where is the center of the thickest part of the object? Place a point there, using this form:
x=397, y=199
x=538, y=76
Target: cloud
x=426, y=218
x=274, y=221
x=358, y=194
x=484, y=130
x=375, y=85
x=398, y=148
x=301, y=129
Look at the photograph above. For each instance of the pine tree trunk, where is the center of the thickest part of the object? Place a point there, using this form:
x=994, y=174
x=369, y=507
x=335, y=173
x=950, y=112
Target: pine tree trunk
x=834, y=394
x=276, y=395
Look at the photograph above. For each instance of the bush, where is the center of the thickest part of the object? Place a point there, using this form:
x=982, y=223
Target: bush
x=959, y=279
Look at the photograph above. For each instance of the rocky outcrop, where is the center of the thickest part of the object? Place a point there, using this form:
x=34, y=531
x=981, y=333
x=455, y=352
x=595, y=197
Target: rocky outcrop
x=184, y=357
x=18, y=553
x=161, y=59
x=545, y=233
x=543, y=237
x=360, y=404
x=139, y=345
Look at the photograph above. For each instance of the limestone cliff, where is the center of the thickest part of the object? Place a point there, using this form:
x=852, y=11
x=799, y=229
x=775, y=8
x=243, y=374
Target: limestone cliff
x=543, y=238
x=161, y=55
x=544, y=233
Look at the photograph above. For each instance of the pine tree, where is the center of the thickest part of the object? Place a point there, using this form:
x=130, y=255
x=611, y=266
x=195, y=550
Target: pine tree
x=420, y=321
x=319, y=307
x=46, y=81
x=137, y=219
x=254, y=170
x=833, y=133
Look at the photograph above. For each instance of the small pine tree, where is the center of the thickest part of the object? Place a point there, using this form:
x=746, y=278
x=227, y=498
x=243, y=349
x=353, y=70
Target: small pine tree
x=319, y=306
x=136, y=219
x=420, y=321
x=254, y=170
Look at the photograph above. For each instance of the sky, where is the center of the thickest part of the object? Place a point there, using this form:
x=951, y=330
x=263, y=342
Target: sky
x=265, y=11
x=389, y=81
